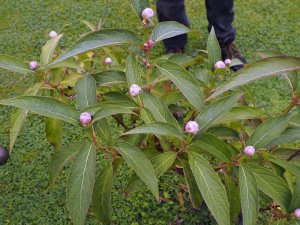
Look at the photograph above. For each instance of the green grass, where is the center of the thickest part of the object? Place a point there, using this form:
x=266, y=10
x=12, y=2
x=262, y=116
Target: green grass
x=24, y=25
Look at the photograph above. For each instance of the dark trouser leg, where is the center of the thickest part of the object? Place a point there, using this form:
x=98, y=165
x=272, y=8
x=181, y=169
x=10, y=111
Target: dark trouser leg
x=220, y=15
x=173, y=10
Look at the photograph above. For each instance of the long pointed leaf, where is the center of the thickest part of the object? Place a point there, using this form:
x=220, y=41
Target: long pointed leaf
x=213, y=49
x=98, y=39
x=163, y=162
x=258, y=70
x=141, y=165
x=86, y=92
x=81, y=183
x=14, y=64
x=45, y=106
x=211, y=188
x=48, y=50
x=295, y=203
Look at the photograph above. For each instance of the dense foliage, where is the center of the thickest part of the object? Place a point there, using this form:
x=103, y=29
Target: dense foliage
x=198, y=124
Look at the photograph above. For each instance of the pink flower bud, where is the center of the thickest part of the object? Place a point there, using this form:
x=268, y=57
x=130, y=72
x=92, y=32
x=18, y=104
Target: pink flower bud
x=227, y=61
x=33, y=65
x=192, y=127
x=108, y=60
x=147, y=13
x=150, y=43
x=249, y=150
x=52, y=34
x=220, y=65
x=297, y=213
x=135, y=90
x=85, y=118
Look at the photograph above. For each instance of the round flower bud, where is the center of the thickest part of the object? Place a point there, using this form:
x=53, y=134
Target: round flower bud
x=52, y=34
x=297, y=213
x=147, y=13
x=249, y=150
x=227, y=61
x=4, y=155
x=33, y=65
x=108, y=60
x=220, y=65
x=192, y=127
x=135, y=90
x=150, y=43
x=85, y=118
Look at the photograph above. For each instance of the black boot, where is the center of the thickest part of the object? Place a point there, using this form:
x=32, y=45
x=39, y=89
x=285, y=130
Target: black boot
x=229, y=52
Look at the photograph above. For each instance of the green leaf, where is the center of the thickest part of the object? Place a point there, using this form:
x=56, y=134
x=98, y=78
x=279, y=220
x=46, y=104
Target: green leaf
x=184, y=81
x=212, y=145
x=54, y=132
x=240, y=113
x=133, y=73
x=48, y=50
x=157, y=128
x=135, y=184
x=98, y=39
x=272, y=185
x=295, y=203
x=67, y=64
x=14, y=64
x=103, y=131
x=159, y=109
x=141, y=165
x=61, y=158
x=211, y=188
x=289, y=166
x=18, y=117
x=258, y=70
x=226, y=133
x=45, y=106
x=146, y=116
x=173, y=97
x=138, y=6
x=110, y=110
x=213, y=49
x=110, y=77
x=290, y=135
x=268, y=131
x=86, y=92
x=214, y=111
x=81, y=183
x=102, y=194
x=115, y=96
x=233, y=197
x=194, y=192
x=163, y=162
x=168, y=29
x=249, y=195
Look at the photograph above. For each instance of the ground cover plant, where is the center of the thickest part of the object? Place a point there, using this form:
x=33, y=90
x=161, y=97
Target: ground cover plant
x=207, y=81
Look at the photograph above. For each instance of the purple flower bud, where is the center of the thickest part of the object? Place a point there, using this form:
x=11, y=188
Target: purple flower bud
x=85, y=118
x=108, y=60
x=150, y=43
x=297, y=213
x=192, y=127
x=33, y=65
x=135, y=90
x=220, y=65
x=227, y=61
x=249, y=150
x=147, y=13
x=52, y=34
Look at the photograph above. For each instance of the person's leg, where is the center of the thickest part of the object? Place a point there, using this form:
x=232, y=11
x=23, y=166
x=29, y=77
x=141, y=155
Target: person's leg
x=220, y=15
x=173, y=10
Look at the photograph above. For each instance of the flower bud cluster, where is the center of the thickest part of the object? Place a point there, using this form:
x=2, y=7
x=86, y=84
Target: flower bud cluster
x=222, y=65
x=147, y=13
x=135, y=90
x=85, y=118
x=191, y=127
x=148, y=45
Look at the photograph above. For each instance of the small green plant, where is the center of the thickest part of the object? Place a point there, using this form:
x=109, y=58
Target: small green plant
x=201, y=122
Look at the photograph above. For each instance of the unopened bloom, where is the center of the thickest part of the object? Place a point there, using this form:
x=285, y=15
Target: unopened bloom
x=108, y=60
x=52, y=34
x=249, y=150
x=297, y=213
x=227, y=61
x=192, y=127
x=85, y=118
x=135, y=90
x=148, y=45
x=220, y=65
x=33, y=65
x=147, y=13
